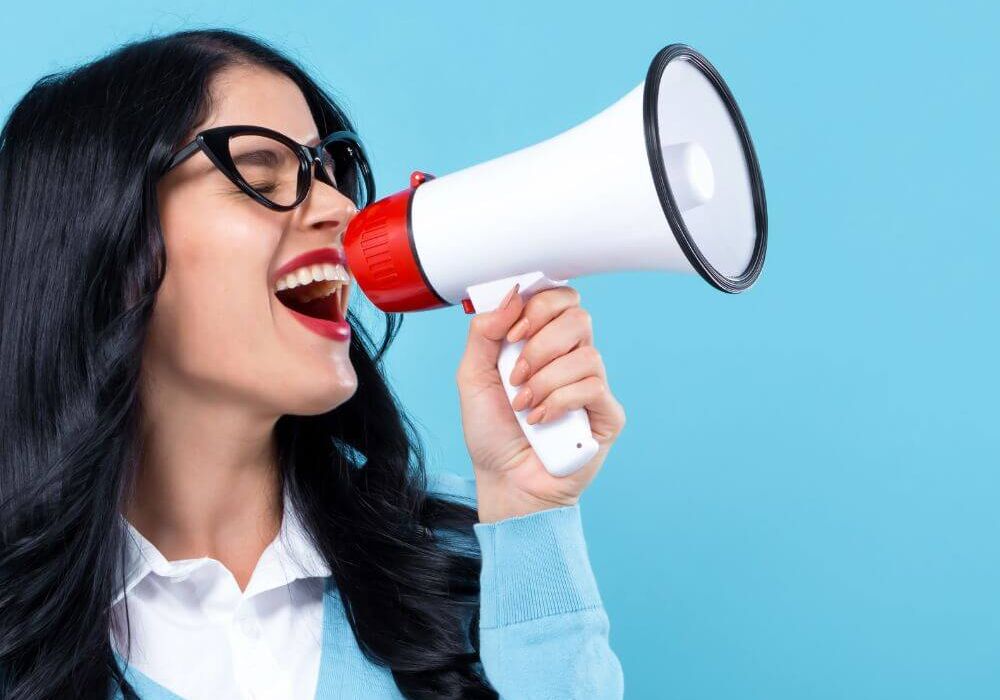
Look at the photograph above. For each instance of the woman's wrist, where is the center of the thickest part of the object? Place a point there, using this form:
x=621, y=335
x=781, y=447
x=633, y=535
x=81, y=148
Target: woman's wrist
x=496, y=501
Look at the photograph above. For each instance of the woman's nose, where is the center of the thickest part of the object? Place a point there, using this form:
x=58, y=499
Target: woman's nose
x=327, y=208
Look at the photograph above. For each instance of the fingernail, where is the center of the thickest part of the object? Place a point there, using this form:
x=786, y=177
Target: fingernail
x=518, y=331
x=510, y=296
x=520, y=372
x=536, y=415
x=522, y=400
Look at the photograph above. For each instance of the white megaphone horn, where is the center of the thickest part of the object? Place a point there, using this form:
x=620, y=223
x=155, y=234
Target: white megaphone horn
x=665, y=178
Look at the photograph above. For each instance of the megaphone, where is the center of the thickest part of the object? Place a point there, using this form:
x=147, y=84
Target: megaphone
x=666, y=178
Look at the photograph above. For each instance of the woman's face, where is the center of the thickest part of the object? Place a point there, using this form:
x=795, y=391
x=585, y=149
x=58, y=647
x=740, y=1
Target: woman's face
x=218, y=328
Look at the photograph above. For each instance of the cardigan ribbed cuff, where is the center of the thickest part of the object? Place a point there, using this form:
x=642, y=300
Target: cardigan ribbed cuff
x=534, y=566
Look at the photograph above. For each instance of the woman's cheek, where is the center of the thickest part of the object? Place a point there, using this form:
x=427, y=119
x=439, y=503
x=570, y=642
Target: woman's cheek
x=219, y=323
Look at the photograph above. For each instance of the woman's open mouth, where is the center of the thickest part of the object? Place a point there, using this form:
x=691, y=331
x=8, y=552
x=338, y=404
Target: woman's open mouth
x=317, y=295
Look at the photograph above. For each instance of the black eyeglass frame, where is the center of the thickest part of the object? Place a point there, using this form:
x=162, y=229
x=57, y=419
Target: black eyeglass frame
x=214, y=143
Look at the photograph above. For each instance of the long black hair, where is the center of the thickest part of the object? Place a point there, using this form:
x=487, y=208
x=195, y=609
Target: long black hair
x=81, y=260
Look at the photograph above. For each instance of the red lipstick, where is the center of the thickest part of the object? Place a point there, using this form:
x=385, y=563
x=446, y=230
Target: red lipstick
x=335, y=329
x=318, y=256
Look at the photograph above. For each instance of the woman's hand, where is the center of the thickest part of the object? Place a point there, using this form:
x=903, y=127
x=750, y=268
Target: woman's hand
x=559, y=370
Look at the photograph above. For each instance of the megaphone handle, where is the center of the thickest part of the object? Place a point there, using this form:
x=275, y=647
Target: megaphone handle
x=565, y=444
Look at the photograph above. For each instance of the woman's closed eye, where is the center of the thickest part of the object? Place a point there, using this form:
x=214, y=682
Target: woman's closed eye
x=262, y=187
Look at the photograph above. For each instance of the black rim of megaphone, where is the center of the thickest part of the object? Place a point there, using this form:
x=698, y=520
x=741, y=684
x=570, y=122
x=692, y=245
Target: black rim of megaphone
x=667, y=201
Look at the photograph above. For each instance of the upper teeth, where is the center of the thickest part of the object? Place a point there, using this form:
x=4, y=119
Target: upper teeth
x=313, y=273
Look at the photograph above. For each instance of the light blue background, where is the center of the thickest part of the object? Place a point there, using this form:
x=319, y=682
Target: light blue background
x=804, y=501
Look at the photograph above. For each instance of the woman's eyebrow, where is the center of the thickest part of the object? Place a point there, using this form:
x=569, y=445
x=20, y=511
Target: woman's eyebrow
x=261, y=156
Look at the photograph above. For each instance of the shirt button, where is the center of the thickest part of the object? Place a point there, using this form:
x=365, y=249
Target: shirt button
x=250, y=628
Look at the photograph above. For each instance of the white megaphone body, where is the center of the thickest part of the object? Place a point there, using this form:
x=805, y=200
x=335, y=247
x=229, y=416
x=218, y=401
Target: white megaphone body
x=666, y=178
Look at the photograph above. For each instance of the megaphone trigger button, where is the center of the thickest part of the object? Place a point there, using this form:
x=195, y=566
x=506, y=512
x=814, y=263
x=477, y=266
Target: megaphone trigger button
x=468, y=307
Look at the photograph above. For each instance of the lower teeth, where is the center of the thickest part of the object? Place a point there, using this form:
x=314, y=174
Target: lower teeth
x=325, y=307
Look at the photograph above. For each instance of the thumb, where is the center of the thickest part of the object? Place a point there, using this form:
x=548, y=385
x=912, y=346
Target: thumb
x=487, y=331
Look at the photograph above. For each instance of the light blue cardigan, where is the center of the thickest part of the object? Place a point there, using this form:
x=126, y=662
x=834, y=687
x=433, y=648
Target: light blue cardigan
x=543, y=628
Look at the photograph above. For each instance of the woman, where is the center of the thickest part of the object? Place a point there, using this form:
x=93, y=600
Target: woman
x=204, y=498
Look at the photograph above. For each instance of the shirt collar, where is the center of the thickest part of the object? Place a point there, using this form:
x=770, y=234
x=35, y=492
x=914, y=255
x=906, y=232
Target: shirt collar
x=289, y=557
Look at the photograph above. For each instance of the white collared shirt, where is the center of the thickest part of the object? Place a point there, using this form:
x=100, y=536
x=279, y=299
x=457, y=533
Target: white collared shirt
x=194, y=632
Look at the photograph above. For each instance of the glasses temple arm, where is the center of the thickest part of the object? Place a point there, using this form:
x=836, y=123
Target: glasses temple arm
x=183, y=154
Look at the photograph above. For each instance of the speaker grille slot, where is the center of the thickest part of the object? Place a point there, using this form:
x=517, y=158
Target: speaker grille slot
x=375, y=247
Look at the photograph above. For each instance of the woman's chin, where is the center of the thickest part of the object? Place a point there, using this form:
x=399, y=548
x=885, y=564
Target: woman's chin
x=321, y=392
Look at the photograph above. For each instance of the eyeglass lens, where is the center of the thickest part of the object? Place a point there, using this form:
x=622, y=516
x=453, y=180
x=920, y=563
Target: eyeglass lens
x=272, y=169
x=341, y=163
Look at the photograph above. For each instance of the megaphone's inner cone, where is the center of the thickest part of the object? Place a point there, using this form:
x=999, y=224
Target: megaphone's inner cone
x=325, y=300
x=690, y=173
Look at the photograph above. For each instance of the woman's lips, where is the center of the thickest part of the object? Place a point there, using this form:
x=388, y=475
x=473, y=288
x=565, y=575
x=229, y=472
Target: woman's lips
x=333, y=329
x=325, y=315
x=317, y=256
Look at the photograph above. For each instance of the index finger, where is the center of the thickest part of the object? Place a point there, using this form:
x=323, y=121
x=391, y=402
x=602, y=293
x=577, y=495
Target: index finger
x=542, y=308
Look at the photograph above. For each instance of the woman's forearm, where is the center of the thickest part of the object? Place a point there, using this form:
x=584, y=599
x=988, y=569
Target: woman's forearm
x=543, y=627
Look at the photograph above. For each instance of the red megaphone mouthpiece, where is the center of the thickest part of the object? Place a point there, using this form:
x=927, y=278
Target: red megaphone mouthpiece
x=382, y=257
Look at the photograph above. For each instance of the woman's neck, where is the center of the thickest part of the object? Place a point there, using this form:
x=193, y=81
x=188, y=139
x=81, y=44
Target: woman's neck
x=207, y=484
